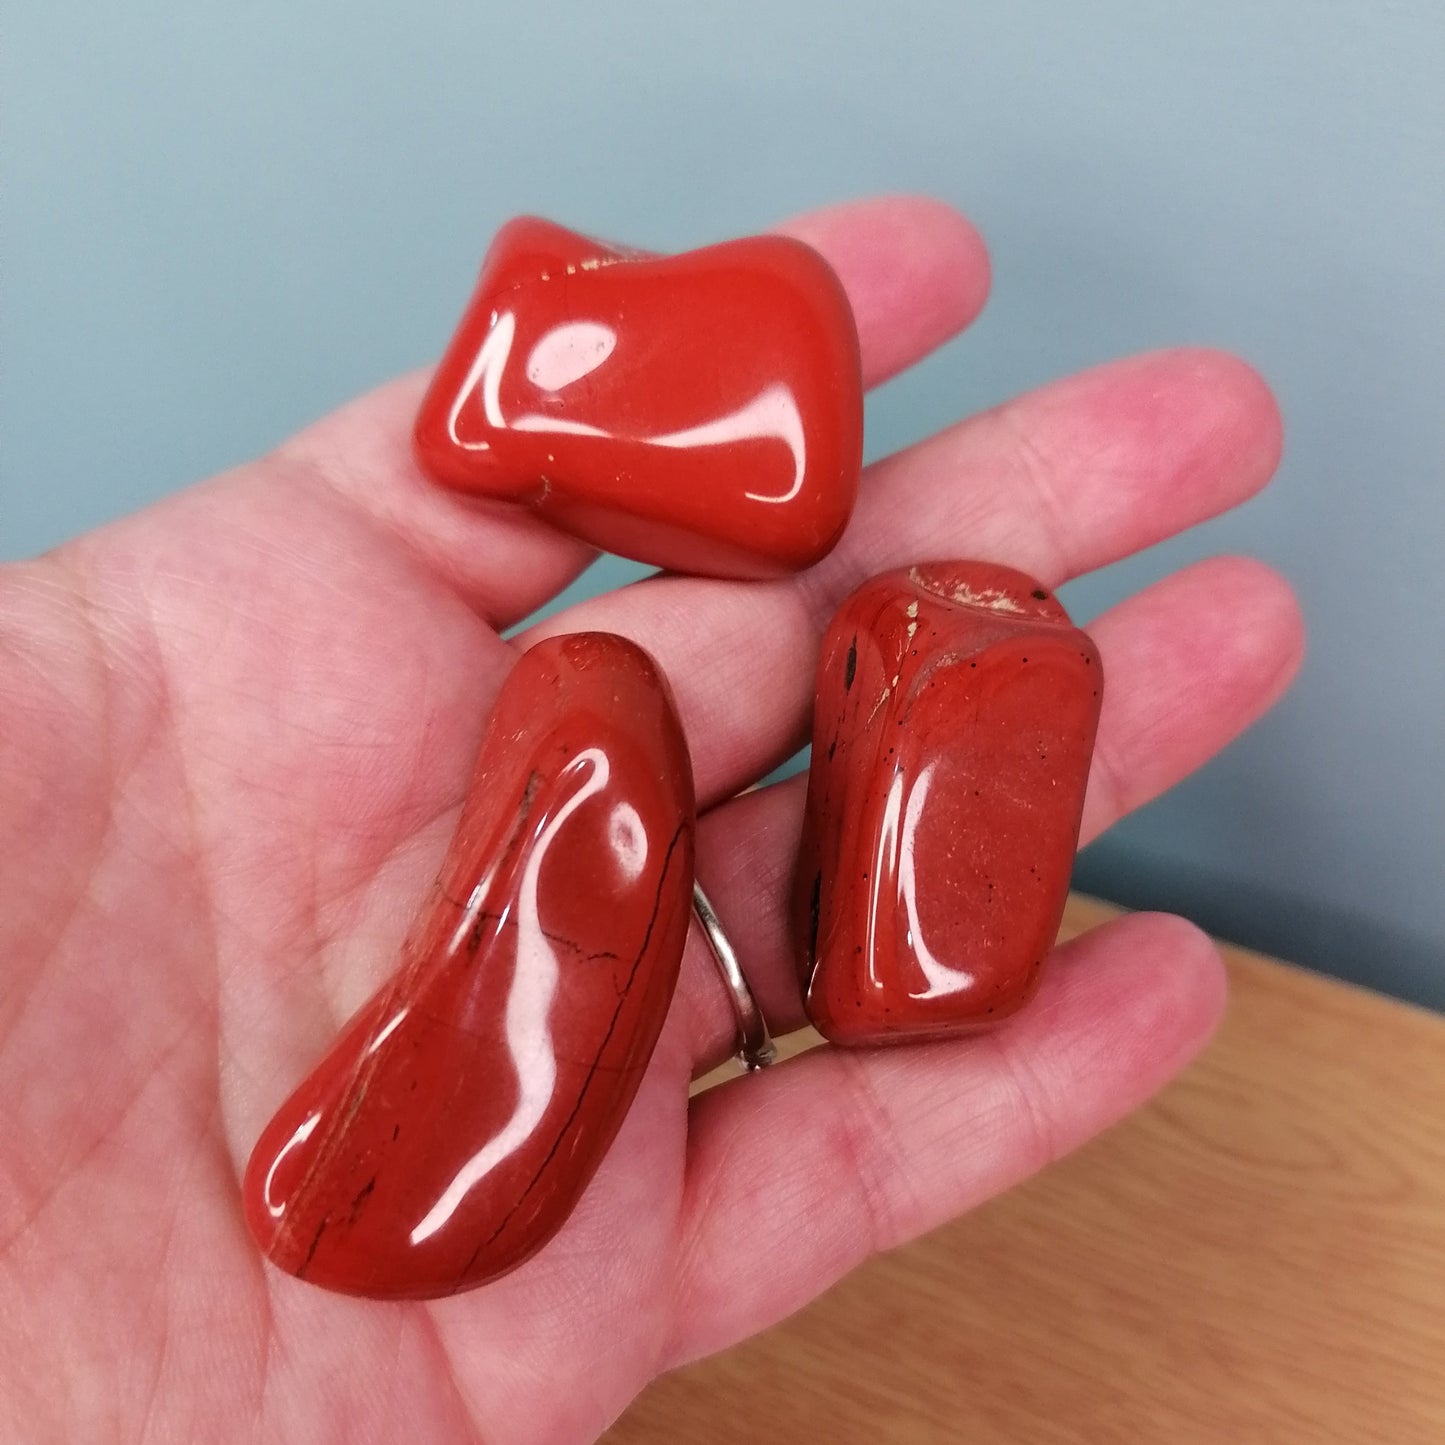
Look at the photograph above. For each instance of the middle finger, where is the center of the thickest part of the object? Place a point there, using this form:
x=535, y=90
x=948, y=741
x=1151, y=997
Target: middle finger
x=1062, y=480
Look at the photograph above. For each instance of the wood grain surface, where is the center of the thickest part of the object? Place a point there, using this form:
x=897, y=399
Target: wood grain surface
x=1257, y=1256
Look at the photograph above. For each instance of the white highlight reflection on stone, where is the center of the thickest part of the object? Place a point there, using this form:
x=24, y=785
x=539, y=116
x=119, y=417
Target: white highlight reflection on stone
x=895, y=858
x=569, y=352
x=773, y=412
x=628, y=840
x=526, y=1021
x=486, y=369
x=942, y=979
x=304, y=1131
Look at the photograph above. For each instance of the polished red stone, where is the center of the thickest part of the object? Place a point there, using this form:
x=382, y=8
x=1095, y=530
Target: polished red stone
x=454, y=1124
x=703, y=412
x=954, y=724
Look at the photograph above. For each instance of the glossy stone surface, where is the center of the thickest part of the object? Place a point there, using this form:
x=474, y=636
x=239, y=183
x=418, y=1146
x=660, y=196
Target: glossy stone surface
x=454, y=1124
x=952, y=735
x=703, y=412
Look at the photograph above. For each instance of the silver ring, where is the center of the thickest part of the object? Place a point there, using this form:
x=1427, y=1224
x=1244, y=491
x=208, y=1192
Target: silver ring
x=755, y=1044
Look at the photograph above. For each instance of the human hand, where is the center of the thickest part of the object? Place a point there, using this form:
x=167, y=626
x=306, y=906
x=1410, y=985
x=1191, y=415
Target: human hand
x=234, y=733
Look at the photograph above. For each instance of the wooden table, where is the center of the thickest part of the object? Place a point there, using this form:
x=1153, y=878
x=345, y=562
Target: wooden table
x=1258, y=1256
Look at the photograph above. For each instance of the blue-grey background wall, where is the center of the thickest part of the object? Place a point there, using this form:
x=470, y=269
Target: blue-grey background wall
x=221, y=220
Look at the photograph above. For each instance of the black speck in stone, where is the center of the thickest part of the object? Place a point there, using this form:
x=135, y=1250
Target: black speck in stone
x=815, y=904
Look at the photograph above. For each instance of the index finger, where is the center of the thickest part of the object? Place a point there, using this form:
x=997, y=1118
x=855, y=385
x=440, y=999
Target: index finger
x=915, y=272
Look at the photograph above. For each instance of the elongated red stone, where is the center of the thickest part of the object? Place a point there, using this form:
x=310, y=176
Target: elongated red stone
x=954, y=725
x=703, y=412
x=454, y=1124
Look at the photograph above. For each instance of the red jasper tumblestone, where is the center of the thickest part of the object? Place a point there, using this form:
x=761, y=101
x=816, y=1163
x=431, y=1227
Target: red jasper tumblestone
x=453, y=1125
x=702, y=412
x=953, y=729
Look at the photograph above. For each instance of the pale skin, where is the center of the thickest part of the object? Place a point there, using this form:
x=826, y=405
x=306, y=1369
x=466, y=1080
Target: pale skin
x=234, y=734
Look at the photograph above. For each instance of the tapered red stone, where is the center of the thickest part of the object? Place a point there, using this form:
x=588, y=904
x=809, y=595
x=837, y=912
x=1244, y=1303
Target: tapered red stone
x=703, y=412
x=456, y=1121
x=954, y=725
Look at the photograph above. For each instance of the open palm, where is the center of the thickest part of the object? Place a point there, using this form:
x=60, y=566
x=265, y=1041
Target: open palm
x=234, y=734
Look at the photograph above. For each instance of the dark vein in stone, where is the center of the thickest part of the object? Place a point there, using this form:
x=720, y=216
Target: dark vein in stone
x=474, y=938
x=361, y=1198
x=316, y=1240
x=492, y=915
